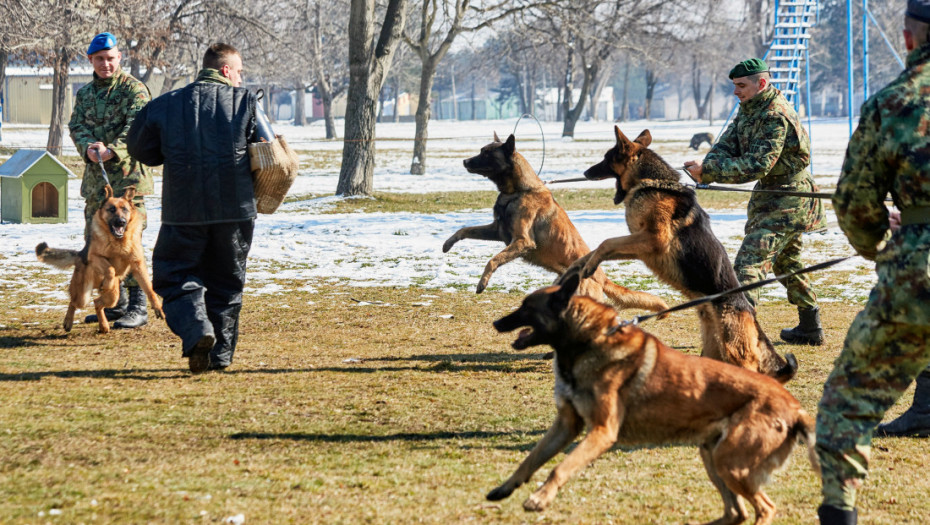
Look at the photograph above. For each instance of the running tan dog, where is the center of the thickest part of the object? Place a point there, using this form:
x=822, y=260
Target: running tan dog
x=534, y=226
x=671, y=234
x=114, y=249
x=627, y=387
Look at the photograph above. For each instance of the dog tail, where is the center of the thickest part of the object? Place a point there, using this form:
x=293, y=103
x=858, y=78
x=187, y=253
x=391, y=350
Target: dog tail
x=58, y=258
x=804, y=431
x=788, y=369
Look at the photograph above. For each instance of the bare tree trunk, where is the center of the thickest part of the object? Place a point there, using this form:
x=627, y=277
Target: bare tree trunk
x=367, y=70
x=573, y=113
x=59, y=87
x=651, y=80
x=473, y=98
x=300, y=105
x=326, y=99
x=396, y=98
x=626, y=85
x=710, y=99
x=418, y=164
x=4, y=60
x=455, y=106
x=268, y=101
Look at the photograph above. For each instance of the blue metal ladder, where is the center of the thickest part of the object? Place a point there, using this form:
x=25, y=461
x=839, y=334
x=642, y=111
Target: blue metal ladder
x=788, y=52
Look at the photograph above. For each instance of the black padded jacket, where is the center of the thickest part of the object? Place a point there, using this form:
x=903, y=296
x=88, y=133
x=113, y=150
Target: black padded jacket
x=201, y=134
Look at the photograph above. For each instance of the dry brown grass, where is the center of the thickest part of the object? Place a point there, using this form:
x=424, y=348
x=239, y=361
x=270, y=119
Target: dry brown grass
x=340, y=412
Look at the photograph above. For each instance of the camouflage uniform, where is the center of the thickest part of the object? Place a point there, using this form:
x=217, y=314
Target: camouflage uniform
x=103, y=112
x=886, y=345
x=766, y=142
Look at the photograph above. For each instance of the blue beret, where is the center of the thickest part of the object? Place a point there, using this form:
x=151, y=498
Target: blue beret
x=101, y=42
x=919, y=10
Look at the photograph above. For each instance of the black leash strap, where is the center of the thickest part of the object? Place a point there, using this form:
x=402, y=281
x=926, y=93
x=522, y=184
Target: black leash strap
x=708, y=298
x=813, y=194
x=102, y=169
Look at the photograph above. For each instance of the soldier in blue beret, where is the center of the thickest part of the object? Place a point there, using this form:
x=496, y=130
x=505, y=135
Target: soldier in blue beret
x=103, y=111
x=886, y=345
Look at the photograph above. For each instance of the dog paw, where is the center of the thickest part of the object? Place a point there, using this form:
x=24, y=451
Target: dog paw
x=499, y=493
x=535, y=503
x=450, y=242
x=482, y=284
x=159, y=313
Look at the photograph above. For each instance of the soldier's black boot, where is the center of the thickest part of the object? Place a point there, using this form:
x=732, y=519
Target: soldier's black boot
x=808, y=332
x=136, y=313
x=830, y=515
x=915, y=422
x=112, y=314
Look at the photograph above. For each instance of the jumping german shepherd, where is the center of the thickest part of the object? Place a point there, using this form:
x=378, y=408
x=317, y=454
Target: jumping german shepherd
x=671, y=234
x=114, y=249
x=630, y=388
x=535, y=227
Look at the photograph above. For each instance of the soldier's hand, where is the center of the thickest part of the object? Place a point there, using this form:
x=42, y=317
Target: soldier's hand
x=694, y=170
x=94, y=151
x=894, y=219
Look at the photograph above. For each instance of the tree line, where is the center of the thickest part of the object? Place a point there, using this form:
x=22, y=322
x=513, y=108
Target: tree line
x=367, y=49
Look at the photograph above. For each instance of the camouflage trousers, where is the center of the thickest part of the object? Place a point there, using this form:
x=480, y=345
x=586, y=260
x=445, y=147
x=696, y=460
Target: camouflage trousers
x=880, y=359
x=91, y=207
x=765, y=251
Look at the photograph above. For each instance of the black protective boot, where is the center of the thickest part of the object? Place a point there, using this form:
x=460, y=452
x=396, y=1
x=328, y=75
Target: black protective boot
x=136, y=314
x=112, y=314
x=830, y=515
x=808, y=332
x=915, y=422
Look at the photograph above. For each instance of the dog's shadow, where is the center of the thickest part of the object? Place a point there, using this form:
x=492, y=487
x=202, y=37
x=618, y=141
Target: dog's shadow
x=158, y=374
x=22, y=341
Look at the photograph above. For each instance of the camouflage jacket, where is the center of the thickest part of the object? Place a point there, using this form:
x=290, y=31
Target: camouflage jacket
x=890, y=152
x=103, y=111
x=766, y=142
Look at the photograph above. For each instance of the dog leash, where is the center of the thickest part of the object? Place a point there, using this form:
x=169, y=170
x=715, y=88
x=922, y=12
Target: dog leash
x=542, y=134
x=709, y=298
x=102, y=169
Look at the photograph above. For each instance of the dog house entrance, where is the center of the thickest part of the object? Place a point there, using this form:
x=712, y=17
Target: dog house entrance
x=44, y=200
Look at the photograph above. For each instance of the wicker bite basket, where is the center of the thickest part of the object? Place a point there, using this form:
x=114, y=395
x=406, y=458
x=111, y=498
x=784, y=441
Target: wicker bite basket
x=274, y=168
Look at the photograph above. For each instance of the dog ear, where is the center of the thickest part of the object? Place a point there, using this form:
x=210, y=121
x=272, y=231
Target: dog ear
x=644, y=139
x=107, y=192
x=568, y=284
x=130, y=193
x=510, y=145
x=496, y=138
x=621, y=138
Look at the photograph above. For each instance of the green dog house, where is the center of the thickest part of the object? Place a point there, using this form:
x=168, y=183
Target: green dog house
x=34, y=188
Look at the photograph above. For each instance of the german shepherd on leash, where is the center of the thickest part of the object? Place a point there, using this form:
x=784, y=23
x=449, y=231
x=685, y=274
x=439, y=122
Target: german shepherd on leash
x=629, y=388
x=114, y=249
x=671, y=234
x=535, y=227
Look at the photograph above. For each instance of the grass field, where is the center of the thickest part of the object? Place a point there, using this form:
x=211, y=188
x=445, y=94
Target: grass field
x=356, y=405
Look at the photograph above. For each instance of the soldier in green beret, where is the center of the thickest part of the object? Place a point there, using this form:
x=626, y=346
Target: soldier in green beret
x=103, y=112
x=886, y=345
x=767, y=143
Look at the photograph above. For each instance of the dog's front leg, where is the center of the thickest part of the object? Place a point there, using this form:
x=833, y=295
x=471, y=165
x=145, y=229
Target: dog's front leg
x=518, y=248
x=142, y=276
x=564, y=429
x=631, y=246
x=488, y=232
x=600, y=438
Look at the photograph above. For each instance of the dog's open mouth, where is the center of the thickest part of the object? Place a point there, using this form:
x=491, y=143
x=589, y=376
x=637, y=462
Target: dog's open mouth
x=118, y=231
x=524, y=340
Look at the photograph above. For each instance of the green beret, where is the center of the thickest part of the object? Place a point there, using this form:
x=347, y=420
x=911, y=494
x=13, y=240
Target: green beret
x=748, y=67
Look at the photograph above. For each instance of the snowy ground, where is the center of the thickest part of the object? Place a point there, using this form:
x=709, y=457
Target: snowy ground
x=299, y=246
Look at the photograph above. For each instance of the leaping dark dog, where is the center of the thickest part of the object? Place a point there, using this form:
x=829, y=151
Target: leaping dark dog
x=671, y=234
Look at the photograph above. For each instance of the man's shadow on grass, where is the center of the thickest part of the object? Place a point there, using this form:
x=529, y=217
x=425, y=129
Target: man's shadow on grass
x=27, y=340
x=410, y=437
x=136, y=374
